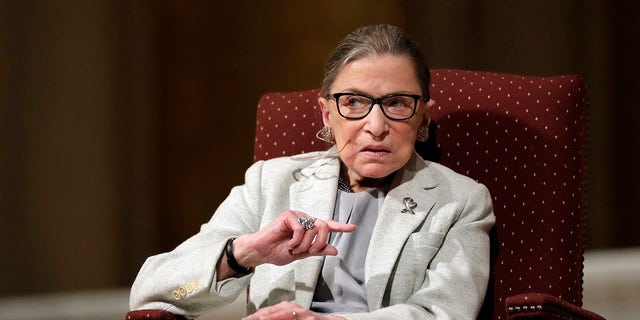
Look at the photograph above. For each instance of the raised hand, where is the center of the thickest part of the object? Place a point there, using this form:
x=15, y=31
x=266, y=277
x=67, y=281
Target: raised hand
x=287, y=239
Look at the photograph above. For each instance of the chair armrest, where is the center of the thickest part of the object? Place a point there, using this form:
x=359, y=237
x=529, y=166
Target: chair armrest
x=544, y=306
x=152, y=315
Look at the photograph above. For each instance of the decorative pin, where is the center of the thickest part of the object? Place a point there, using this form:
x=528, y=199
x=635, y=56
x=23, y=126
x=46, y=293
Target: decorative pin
x=410, y=204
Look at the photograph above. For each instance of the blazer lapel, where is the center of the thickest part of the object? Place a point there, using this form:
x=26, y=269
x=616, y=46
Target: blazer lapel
x=395, y=223
x=315, y=191
x=315, y=195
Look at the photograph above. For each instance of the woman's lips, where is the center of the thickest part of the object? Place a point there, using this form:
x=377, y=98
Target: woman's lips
x=375, y=148
x=374, y=151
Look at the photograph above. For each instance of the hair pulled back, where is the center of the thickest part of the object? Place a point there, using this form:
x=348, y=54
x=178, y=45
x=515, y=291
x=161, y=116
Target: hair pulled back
x=372, y=41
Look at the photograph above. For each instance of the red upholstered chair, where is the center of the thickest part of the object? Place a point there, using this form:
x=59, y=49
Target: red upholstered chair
x=152, y=315
x=524, y=137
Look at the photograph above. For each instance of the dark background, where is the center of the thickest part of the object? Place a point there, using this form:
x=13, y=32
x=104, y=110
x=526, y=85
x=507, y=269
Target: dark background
x=123, y=124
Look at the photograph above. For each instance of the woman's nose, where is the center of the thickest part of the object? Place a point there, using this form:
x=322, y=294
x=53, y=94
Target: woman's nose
x=376, y=121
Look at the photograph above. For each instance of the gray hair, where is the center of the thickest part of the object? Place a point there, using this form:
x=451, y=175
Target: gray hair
x=374, y=41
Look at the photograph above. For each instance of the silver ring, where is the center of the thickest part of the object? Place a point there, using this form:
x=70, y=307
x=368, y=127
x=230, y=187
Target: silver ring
x=294, y=313
x=307, y=224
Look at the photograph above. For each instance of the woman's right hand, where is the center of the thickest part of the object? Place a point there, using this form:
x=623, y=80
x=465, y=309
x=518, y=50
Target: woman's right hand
x=285, y=240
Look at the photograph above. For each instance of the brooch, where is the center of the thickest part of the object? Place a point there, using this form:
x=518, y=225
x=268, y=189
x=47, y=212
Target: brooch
x=409, y=204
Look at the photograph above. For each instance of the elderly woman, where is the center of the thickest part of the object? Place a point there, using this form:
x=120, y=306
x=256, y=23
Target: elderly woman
x=364, y=230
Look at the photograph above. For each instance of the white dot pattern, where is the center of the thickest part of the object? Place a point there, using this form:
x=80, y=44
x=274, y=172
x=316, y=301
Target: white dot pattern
x=286, y=124
x=522, y=136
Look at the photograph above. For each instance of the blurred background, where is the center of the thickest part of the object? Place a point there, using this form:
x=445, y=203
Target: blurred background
x=123, y=124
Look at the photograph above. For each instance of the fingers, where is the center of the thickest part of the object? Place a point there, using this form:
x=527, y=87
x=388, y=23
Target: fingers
x=335, y=226
x=287, y=239
x=297, y=229
x=310, y=238
x=305, y=233
x=283, y=310
x=321, y=237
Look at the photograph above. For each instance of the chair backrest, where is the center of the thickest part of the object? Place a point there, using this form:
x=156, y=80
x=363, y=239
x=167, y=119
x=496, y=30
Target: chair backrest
x=524, y=137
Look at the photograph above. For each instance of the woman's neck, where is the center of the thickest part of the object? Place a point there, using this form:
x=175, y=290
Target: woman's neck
x=363, y=183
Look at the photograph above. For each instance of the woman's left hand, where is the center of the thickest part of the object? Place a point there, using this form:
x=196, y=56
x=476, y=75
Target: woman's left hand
x=288, y=311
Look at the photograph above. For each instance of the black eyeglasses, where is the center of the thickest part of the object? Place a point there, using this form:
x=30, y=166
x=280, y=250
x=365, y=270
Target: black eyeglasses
x=394, y=106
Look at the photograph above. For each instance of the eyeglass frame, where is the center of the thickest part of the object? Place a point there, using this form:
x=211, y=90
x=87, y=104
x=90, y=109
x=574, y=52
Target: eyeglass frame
x=378, y=101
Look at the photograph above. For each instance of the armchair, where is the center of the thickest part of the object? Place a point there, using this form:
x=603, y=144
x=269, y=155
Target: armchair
x=524, y=137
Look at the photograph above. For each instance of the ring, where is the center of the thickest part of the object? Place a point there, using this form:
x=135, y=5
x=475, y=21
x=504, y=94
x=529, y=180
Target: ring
x=294, y=313
x=307, y=224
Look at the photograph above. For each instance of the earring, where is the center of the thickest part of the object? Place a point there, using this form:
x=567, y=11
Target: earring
x=326, y=134
x=423, y=134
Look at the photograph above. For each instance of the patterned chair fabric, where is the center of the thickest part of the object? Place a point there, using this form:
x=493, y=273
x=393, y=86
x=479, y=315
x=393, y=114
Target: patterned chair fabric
x=524, y=137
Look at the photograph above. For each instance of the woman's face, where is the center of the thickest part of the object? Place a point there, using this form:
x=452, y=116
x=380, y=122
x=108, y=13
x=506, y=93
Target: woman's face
x=375, y=146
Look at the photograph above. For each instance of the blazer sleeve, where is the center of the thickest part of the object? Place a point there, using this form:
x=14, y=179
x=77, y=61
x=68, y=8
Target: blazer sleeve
x=456, y=278
x=183, y=281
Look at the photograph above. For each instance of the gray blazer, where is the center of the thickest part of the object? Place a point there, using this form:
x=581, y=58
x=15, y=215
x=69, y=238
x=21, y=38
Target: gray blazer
x=428, y=263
